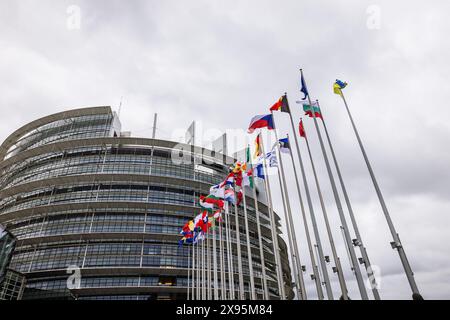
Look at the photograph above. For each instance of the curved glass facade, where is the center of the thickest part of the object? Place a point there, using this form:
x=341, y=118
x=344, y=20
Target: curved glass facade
x=78, y=195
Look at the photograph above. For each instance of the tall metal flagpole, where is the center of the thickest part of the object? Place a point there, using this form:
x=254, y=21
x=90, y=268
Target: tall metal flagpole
x=340, y=273
x=273, y=227
x=359, y=279
x=295, y=251
x=238, y=250
x=230, y=256
x=321, y=257
x=260, y=243
x=193, y=272
x=203, y=271
x=249, y=248
x=300, y=284
x=214, y=245
x=358, y=242
x=396, y=244
x=316, y=275
x=208, y=259
x=223, y=293
x=188, y=272
x=198, y=272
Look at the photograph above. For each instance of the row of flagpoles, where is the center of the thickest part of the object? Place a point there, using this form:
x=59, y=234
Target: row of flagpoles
x=214, y=240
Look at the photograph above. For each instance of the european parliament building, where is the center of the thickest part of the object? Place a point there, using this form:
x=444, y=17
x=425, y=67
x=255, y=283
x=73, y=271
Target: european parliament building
x=77, y=193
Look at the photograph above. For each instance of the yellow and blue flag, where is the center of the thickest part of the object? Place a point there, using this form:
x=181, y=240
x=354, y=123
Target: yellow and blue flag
x=338, y=86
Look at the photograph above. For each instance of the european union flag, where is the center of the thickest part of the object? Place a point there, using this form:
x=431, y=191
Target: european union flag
x=303, y=88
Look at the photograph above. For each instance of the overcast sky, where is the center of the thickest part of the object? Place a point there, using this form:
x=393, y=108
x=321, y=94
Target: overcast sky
x=222, y=62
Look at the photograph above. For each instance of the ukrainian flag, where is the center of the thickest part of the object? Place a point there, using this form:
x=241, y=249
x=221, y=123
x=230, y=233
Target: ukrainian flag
x=338, y=86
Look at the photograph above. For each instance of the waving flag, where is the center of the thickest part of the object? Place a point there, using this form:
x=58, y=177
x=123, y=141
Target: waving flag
x=229, y=195
x=229, y=181
x=217, y=191
x=247, y=178
x=272, y=158
x=261, y=121
x=285, y=146
x=309, y=109
x=259, y=171
x=281, y=105
x=239, y=196
x=338, y=86
x=303, y=87
x=301, y=129
x=258, y=150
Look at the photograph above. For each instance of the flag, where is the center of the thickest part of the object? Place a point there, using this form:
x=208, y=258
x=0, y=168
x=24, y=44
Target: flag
x=239, y=196
x=247, y=178
x=205, y=205
x=212, y=199
x=261, y=121
x=248, y=157
x=272, y=158
x=228, y=181
x=281, y=105
x=237, y=167
x=338, y=86
x=285, y=146
x=301, y=129
x=185, y=240
x=229, y=195
x=217, y=191
x=218, y=215
x=259, y=171
x=238, y=179
x=258, y=149
x=308, y=109
x=303, y=87
x=188, y=227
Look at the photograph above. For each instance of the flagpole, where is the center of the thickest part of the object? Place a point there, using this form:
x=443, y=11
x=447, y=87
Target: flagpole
x=208, y=259
x=214, y=245
x=359, y=279
x=230, y=257
x=223, y=293
x=203, y=271
x=249, y=249
x=317, y=279
x=238, y=249
x=312, y=215
x=193, y=272
x=396, y=244
x=288, y=214
x=300, y=285
x=188, y=272
x=198, y=271
x=359, y=241
x=258, y=227
x=327, y=225
x=273, y=227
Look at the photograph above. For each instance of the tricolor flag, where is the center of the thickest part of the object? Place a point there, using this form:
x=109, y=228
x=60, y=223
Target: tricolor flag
x=247, y=178
x=338, y=86
x=228, y=181
x=261, y=121
x=301, y=129
x=308, y=109
x=281, y=105
x=229, y=195
x=285, y=146
x=217, y=191
x=258, y=150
